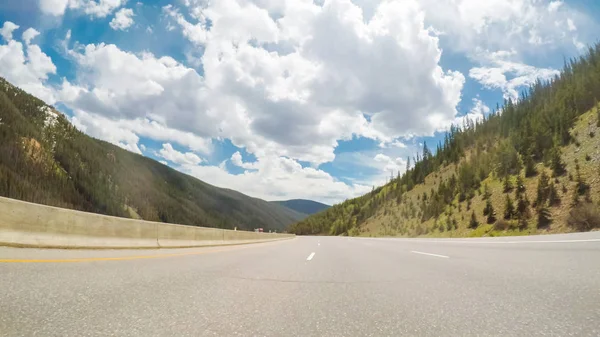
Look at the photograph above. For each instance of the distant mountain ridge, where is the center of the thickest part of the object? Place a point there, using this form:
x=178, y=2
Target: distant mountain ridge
x=304, y=206
x=45, y=159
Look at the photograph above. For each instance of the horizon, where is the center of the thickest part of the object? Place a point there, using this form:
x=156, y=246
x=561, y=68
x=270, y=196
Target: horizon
x=319, y=108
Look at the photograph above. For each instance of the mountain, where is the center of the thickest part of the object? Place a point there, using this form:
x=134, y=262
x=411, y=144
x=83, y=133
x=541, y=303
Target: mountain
x=529, y=167
x=44, y=159
x=303, y=206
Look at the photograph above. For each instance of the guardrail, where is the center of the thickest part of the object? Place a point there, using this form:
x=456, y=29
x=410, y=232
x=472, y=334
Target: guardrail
x=27, y=224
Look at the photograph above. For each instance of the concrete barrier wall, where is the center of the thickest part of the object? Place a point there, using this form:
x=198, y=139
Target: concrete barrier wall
x=27, y=224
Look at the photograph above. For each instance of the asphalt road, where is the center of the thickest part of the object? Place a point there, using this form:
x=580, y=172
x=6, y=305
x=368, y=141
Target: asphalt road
x=309, y=286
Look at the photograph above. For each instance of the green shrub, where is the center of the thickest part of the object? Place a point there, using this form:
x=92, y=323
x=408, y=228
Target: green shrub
x=502, y=225
x=584, y=217
x=354, y=232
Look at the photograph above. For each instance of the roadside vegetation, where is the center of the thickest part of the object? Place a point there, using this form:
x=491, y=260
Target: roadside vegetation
x=531, y=166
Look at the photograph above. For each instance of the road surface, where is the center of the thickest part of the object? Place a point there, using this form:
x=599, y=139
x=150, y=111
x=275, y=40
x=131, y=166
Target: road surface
x=309, y=286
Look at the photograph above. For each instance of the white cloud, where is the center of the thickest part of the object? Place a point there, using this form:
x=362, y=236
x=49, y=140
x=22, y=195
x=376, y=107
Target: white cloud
x=169, y=153
x=369, y=168
x=123, y=19
x=196, y=33
x=127, y=132
x=390, y=165
x=497, y=66
x=95, y=8
x=277, y=178
x=106, y=130
x=578, y=44
x=477, y=112
x=7, y=30
x=399, y=144
x=54, y=7
x=479, y=108
x=553, y=6
x=502, y=24
x=236, y=159
x=283, y=88
x=295, y=88
x=29, y=35
x=122, y=85
x=571, y=25
x=396, y=143
x=27, y=67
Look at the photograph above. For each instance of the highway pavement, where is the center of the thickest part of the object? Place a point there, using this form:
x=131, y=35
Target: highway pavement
x=309, y=286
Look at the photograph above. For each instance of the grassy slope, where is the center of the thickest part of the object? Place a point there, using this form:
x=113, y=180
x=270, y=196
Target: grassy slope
x=388, y=220
x=55, y=164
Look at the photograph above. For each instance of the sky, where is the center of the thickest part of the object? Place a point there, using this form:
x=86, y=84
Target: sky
x=283, y=99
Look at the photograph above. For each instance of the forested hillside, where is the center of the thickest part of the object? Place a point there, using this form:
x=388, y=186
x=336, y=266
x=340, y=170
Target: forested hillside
x=44, y=159
x=303, y=206
x=531, y=166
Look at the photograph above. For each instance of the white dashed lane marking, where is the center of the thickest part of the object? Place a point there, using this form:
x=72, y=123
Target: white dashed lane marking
x=429, y=254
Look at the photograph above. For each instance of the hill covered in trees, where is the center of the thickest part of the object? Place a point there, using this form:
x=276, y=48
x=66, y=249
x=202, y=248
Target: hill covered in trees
x=531, y=166
x=44, y=159
x=304, y=206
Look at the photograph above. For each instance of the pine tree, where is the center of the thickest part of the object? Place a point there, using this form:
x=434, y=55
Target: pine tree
x=520, y=185
x=553, y=197
x=530, y=170
x=522, y=206
x=509, y=208
x=507, y=184
x=491, y=213
x=473, y=223
x=575, y=199
x=597, y=112
x=556, y=163
x=582, y=187
x=486, y=192
x=542, y=189
x=544, y=217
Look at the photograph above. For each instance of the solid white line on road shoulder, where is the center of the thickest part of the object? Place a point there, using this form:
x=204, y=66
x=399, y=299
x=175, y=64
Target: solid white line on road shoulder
x=429, y=254
x=310, y=256
x=474, y=241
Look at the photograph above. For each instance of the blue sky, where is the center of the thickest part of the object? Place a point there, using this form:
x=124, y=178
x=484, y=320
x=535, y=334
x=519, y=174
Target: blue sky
x=285, y=99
